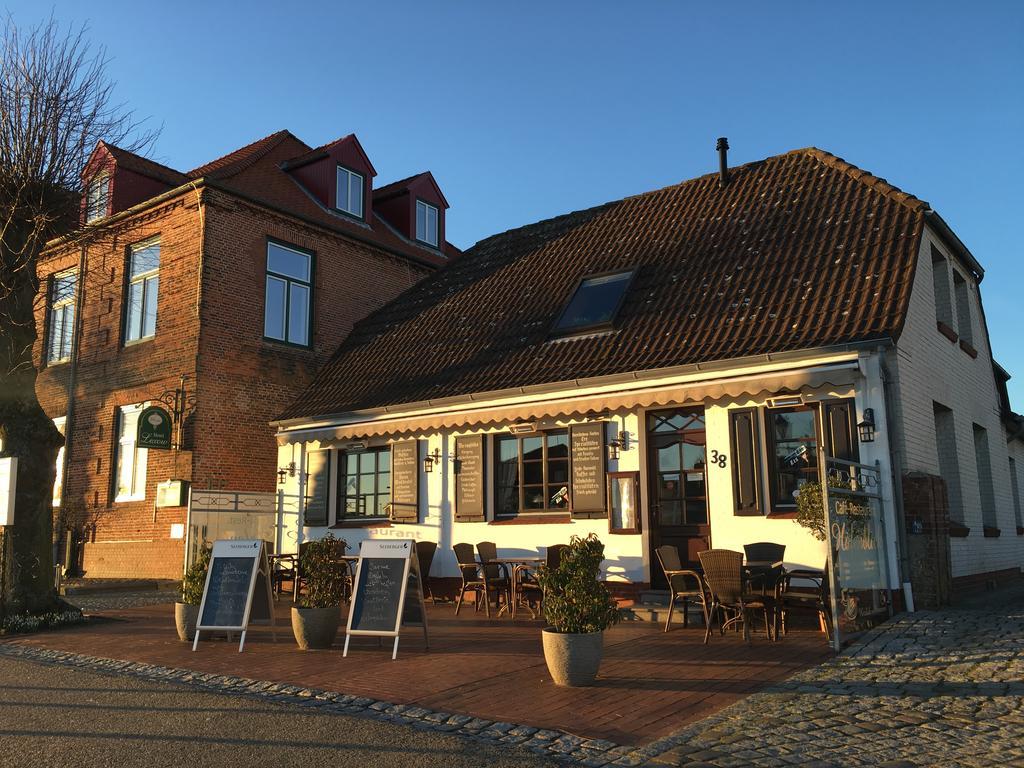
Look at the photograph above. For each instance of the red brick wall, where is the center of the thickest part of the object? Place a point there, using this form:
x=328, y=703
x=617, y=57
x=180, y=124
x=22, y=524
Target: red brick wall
x=240, y=380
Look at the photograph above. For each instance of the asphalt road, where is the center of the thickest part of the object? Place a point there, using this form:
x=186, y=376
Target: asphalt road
x=58, y=716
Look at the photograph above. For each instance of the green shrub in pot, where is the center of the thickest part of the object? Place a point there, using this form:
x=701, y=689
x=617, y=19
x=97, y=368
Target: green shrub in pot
x=325, y=578
x=578, y=608
x=186, y=612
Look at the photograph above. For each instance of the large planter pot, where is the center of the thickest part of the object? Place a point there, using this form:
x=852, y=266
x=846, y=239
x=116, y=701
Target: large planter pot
x=315, y=627
x=573, y=659
x=185, y=617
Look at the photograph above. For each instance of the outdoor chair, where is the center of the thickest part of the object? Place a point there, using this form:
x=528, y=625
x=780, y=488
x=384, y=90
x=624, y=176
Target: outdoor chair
x=766, y=552
x=528, y=582
x=684, y=584
x=495, y=574
x=473, y=579
x=425, y=554
x=723, y=574
x=813, y=595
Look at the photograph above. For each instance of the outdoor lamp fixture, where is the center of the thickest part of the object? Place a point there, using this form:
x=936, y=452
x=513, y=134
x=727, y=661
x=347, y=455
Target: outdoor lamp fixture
x=866, y=427
x=431, y=459
x=287, y=470
x=613, y=449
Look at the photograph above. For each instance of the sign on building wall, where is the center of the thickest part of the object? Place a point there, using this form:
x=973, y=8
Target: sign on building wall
x=469, y=479
x=587, y=451
x=8, y=485
x=405, y=481
x=154, y=429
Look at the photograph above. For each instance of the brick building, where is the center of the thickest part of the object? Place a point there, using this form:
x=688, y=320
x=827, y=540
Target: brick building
x=243, y=276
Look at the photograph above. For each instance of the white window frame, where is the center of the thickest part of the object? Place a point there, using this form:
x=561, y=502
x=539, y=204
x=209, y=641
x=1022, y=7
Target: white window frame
x=97, y=198
x=288, y=280
x=123, y=444
x=143, y=279
x=427, y=208
x=66, y=309
x=349, y=174
x=58, y=481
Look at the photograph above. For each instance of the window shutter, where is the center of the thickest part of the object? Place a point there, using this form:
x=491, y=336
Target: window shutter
x=470, y=488
x=405, y=481
x=746, y=480
x=318, y=484
x=839, y=427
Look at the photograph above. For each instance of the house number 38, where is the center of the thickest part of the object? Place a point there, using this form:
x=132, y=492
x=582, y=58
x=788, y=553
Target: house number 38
x=718, y=458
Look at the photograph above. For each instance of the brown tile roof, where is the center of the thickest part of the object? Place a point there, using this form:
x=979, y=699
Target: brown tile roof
x=245, y=157
x=801, y=250
x=145, y=166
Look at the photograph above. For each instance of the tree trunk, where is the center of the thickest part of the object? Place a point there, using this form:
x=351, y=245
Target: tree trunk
x=27, y=433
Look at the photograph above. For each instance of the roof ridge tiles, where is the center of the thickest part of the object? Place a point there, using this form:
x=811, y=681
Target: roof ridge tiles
x=243, y=157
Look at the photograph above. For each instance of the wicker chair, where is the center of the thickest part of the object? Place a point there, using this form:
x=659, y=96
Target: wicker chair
x=474, y=579
x=723, y=574
x=425, y=554
x=495, y=574
x=528, y=583
x=812, y=597
x=685, y=585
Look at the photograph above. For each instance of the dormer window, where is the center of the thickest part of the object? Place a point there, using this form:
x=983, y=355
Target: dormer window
x=426, y=223
x=350, y=192
x=97, y=198
x=595, y=303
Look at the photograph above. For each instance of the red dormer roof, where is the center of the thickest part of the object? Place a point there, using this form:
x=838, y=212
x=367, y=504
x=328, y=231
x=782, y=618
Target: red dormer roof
x=332, y=148
x=402, y=186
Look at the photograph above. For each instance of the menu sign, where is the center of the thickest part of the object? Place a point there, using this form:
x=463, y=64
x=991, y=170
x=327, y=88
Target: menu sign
x=469, y=478
x=388, y=592
x=239, y=572
x=587, y=451
x=405, y=479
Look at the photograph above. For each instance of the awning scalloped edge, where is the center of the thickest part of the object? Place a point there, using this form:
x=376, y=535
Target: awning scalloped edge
x=791, y=382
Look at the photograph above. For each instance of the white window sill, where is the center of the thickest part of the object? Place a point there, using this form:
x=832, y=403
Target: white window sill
x=121, y=499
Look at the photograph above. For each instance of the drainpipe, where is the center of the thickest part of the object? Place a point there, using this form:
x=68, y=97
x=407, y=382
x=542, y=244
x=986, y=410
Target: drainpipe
x=896, y=465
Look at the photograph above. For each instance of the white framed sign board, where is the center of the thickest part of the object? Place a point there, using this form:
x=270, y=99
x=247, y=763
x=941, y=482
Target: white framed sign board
x=388, y=592
x=8, y=486
x=237, y=591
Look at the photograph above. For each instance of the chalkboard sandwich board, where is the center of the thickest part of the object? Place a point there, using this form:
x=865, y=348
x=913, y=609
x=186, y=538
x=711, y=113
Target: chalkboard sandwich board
x=388, y=592
x=239, y=572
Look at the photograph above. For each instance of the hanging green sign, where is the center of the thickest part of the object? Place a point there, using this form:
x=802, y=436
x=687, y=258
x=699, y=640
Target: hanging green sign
x=154, y=428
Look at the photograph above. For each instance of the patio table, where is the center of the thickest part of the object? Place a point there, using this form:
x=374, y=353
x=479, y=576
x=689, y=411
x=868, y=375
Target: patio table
x=763, y=569
x=519, y=566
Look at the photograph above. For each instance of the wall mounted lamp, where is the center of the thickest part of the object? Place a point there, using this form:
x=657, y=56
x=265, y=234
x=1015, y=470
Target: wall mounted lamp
x=288, y=470
x=866, y=427
x=431, y=459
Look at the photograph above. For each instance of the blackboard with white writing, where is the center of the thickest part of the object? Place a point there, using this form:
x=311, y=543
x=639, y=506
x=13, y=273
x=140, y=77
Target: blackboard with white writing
x=227, y=592
x=588, y=481
x=377, y=594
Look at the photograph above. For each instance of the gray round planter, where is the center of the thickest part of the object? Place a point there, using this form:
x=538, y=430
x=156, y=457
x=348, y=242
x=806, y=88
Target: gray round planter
x=185, y=617
x=573, y=659
x=315, y=627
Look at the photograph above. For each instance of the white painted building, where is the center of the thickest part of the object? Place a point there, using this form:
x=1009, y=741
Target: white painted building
x=720, y=333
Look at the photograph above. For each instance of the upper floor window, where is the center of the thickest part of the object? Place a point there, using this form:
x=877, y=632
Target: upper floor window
x=595, y=303
x=532, y=473
x=962, y=295
x=426, y=223
x=129, y=459
x=143, y=287
x=365, y=484
x=97, y=198
x=350, y=192
x=62, y=317
x=940, y=284
x=289, y=287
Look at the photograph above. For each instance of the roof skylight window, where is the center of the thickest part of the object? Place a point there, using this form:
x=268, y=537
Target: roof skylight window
x=595, y=303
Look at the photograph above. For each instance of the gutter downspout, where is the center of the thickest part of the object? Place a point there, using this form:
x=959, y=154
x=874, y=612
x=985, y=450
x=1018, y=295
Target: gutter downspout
x=896, y=467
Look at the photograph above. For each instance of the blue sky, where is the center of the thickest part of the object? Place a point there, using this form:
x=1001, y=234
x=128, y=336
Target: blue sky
x=526, y=110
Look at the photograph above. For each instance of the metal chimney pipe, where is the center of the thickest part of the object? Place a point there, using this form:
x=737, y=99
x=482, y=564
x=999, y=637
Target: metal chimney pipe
x=723, y=161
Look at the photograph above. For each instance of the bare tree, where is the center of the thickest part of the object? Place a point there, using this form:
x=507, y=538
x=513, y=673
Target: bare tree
x=56, y=102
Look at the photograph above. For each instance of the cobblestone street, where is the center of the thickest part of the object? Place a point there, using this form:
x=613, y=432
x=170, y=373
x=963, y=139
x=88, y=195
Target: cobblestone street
x=933, y=688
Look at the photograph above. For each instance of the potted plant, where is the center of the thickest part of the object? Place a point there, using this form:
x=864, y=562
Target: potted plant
x=316, y=618
x=186, y=612
x=578, y=608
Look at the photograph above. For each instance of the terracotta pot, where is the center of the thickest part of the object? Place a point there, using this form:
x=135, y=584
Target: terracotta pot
x=315, y=627
x=573, y=659
x=185, y=617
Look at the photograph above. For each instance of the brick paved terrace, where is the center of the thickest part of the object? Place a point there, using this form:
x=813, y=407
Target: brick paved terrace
x=651, y=683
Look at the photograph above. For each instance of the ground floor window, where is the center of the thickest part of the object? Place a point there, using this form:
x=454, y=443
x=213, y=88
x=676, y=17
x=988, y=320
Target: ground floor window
x=365, y=484
x=129, y=459
x=532, y=473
